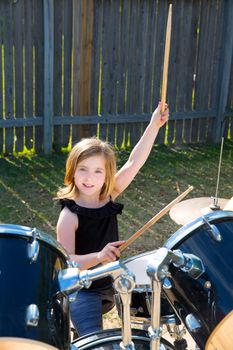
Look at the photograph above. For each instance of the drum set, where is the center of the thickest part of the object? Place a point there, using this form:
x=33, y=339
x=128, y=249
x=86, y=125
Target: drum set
x=186, y=285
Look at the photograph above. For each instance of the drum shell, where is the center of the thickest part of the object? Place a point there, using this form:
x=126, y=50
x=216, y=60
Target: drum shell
x=25, y=283
x=110, y=339
x=210, y=297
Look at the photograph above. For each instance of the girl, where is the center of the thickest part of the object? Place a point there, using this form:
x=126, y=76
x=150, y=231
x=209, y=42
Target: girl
x=87, y=225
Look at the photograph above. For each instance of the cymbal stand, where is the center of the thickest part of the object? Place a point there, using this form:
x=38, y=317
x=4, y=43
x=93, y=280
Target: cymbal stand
x=215, y=205
x=157, y=270
x=124, y=284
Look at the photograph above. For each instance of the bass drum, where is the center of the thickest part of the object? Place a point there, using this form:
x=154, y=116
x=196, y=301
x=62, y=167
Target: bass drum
x=110, y=339
x=31, y=304
x=203, y=302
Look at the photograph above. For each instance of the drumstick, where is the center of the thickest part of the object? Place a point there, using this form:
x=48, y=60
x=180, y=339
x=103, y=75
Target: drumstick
x=166, y=58
x=154, y=219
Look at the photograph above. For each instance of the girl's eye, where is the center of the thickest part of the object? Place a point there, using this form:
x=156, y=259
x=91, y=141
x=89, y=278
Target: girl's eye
x=99, y=171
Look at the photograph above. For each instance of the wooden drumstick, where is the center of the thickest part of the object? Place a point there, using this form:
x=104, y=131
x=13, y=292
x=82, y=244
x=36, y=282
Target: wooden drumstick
x=154, y=219
x=166, y=58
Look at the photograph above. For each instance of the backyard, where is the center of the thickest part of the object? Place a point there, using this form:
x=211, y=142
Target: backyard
x=28, y=185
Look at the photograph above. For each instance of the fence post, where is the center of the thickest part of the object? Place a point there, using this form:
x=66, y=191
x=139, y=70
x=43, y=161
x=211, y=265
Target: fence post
x=48, y=74
x=224, y=70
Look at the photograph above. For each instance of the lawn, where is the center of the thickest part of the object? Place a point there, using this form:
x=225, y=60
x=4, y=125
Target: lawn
x=28, y=184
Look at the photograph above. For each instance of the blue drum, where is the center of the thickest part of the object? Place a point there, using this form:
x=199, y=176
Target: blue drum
x=31, y=305
x=203, y=302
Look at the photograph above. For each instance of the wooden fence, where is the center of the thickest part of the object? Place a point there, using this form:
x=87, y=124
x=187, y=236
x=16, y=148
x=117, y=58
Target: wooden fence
x=73, y=69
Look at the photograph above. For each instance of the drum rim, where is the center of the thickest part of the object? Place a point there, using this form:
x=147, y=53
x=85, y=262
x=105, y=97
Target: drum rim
x=137, y=334
x=184, y=231
x=25, y=231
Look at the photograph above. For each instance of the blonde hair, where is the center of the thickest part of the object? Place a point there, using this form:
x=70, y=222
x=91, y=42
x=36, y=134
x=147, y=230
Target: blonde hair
x=82, y=150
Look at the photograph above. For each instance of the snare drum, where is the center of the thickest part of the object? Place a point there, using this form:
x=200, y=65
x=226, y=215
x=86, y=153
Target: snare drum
x=203, y=302
x=31, y=306
x=141, y=295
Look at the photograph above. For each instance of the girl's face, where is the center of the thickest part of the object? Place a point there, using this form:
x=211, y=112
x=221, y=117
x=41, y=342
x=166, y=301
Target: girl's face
x=89, y=176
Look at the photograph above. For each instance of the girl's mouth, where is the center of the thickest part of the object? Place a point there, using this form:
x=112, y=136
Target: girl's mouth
x=88, y=185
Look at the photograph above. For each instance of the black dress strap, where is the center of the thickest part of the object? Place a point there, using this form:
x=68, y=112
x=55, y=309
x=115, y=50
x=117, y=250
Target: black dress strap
x=109, y=209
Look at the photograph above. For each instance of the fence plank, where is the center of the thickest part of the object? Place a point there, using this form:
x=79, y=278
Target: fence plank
x=109, y=68
x=209, y=99
x=1, y=84
x=39, y=73
x=67, y=30
x=180, y=59
x=86, y=62
x=48, y=73
x=172, y=74
x=123, y=73
x=203, y=67
x=29, y=98
x=18, y=12
x=190, y=42
x=115, y=68
x=161, y=20
x=107, y=88
x=57, y=83
x=150, y=53
x=217, y=12
x=8, y=72
x=77, y=13
x=132, y=76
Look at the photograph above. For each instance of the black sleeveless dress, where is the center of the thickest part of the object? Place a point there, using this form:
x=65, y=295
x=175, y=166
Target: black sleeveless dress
x=96, y=228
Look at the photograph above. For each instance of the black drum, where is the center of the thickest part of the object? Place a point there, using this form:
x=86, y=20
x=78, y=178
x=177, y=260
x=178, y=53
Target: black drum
x=110, y=339
x=141, y=295
x=31, y=306
x=203, y=302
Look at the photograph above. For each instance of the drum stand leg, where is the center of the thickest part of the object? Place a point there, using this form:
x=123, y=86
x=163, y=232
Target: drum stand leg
x=124, y=285
x=155, y=330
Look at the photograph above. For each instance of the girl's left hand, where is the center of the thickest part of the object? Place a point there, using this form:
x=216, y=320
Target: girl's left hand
x=160, y=118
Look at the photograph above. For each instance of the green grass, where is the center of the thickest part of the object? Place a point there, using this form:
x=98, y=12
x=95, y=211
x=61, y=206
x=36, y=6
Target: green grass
x=28, y=184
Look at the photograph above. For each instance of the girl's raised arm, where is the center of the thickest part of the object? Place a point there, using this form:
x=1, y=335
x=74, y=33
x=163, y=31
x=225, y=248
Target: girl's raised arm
x=140, y=152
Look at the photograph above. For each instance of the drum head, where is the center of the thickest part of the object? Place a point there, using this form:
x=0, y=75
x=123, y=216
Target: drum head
x=137, y=265
x=23, y=344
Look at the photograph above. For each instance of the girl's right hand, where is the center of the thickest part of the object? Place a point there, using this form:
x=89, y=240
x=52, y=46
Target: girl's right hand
x=110, y=252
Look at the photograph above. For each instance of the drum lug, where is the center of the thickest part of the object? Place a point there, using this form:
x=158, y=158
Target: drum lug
x=32, y=315
x=192, y=323
x=213, y=230
x=33, y=247
x=72, y=297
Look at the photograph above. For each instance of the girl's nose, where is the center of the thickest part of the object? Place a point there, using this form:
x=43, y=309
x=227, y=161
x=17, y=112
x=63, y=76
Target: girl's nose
x=88, y=175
